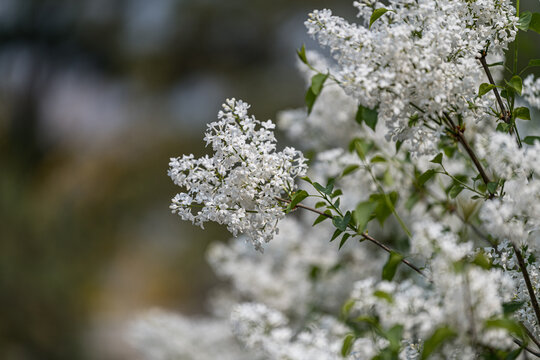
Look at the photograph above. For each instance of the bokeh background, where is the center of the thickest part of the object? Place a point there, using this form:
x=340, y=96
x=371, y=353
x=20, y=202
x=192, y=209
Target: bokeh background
x=95, y=97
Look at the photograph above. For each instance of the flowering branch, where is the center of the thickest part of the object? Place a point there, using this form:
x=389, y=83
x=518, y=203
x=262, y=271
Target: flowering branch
x=363, y=235
x=505, y=114
x=526, y=277
x=459, y=135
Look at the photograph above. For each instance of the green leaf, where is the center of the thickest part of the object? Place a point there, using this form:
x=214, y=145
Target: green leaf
x=314, y=272
x=363, y=213
x=482, y=260
x=438, y=337
x=310, y=100
x=302, y=54
x=383, y=211
x=338, y=192
x=394, y=335
x=320, y=219
x=455, y=190
x=349, y=169
x=535, y=22
x=324, y=190
x=346, y=308
x=512, y=326
x=360, y=148
x=343, y=240
x=428, y=174
x=347, y=345
x=336, y=234
x=341, y=223
x=377, y=159
x=377, y=13
x=522, y=113
x=369, y=116
x=485, y=88
x=524, y=20
x=320, y=204
x=390, y=268
x=516, y=84
x=317, y=82
x=492, y=187
x=503, y=127
x=296, y=198
x=529, y=140
x=534, y=62
x=437, y=159
x=512, y=306
x=384, y=295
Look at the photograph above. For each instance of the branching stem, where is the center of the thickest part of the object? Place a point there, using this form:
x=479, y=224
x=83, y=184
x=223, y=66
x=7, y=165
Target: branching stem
x=523, y=268
x=363, y=235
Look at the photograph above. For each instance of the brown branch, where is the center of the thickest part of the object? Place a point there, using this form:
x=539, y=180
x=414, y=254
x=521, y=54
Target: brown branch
x=463, y=141
x=520, y=344
x=505, y=114
x=531, y=335
x=364, y=235
x=523, y=268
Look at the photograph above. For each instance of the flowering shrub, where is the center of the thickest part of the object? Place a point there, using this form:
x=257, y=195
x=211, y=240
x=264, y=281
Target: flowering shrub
x=421, y=155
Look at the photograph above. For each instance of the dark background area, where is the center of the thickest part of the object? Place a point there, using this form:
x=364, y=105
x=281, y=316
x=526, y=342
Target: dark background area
x=95, y=97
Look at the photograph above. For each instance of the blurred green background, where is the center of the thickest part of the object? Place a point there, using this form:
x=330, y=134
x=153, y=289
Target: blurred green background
x=95, y=97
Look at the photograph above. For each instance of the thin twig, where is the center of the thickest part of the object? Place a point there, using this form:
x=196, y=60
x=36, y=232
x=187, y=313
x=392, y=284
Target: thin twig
x=531, y=335
x=523, y=268
x=504, y=113
x=364, y=235
x=461, y=138
x=534, y=352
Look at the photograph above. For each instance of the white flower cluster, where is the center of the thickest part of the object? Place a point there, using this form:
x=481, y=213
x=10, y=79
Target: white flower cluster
x=531, y=91
x=515, y=215
x=239, y=185
x=416, y=61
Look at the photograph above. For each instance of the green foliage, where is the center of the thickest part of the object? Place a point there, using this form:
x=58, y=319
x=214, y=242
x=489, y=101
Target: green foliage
x=522, y=113
x=383, y=295
x=317, y=83
x=347, y=345
x=512, y=306
x=390, y=268
x=524, y=20
x=485, y=88
x=510, y=325
x=516, y=84
x=296, y=199
x=369, y=116
x=302, y=54
x=437, y=159
x=438, y=337
x=363, y=214
x=529, y=140
x=535, y=22
x=377, y=13
x=428, y=174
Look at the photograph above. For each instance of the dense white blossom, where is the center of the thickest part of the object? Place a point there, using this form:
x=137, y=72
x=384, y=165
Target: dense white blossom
x=239, y=185
x=531, y=91
x=417, y=61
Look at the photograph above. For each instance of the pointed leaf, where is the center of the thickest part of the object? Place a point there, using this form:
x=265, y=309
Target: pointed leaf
x=516, y=84
x=343, y=240
x=296, y=198
x=390, y=268
x=485, y=88
x=535, y=22
x=377, y=13
x=349, y=169
x=302, y=54
x=319, y=219
x=347, y=345
x=512, y=306
x=522, y=113
x=437, y=159
x=438, y=337
x=534, y=62
x=428, y=174
x=455, y=190
x=524, y=20
x=362, y=214
x=529, y=140
x=336, y=234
